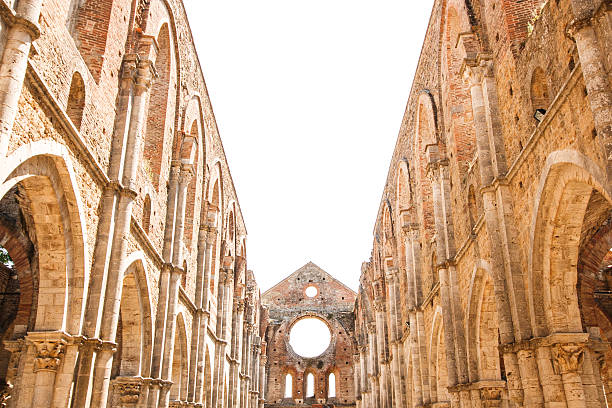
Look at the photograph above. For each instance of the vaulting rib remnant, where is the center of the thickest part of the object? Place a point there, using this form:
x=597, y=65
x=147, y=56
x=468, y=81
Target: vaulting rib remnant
x=299, y=373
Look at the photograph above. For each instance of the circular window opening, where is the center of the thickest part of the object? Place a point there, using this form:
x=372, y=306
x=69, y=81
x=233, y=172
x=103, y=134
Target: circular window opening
x=309, y=337
x=311, y=291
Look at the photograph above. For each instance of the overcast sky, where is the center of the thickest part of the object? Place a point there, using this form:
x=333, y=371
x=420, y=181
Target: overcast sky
x=309, y=97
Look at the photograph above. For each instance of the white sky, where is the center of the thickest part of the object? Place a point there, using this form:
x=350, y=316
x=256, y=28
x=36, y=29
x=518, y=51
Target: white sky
x=309, y=97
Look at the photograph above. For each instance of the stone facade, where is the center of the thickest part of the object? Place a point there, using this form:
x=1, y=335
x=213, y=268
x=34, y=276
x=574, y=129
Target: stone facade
x=289, y=302
x=489, y=280
x=128, y=283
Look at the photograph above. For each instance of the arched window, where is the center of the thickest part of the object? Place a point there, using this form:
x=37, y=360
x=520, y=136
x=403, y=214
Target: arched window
x=473, y=212
x=540, y=95
x=310, y=388
x=331, y=386
x=146, y=214
x=90, y=22
x=155, y=141
x=76, y=100
x=288, y=386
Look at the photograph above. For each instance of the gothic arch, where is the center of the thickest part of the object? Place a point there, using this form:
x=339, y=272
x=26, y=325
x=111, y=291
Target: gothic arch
x=437, y=360
x=158, y=139
x=482, y=326
x=43, y=171
x=135, y=331
x=568, y=181
x=180, y=362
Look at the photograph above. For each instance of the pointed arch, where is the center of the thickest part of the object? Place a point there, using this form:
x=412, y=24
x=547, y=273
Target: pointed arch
x=482, y=327
x=568, y=182
x=180, y=360
x=158, y=138
x=43, y=172
x=135, y=326
x=76, y=100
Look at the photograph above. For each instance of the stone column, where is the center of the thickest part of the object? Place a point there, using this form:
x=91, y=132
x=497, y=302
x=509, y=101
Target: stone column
x=49, y=352
x=394, y=337
x=234, y=379
x=533, y=395
x=160, y=323
x=22, y=32
x=201, y=322
x=127, y=195
x=225, y=277
x=592, y=52
x=169, y=338
x=186, y=174
x=357, y=378
x=567, y=361
x=383, y=355
x=262, y=377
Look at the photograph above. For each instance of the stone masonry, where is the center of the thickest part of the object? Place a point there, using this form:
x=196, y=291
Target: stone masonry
x=489, y=283
x=127, y=284
x=287, y=303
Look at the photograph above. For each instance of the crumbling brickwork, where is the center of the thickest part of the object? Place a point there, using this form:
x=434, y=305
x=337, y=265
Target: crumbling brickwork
x=489, y=280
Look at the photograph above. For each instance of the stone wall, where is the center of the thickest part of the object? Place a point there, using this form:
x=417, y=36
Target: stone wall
x=118, y=210
x=489, y=282
x=289, y=302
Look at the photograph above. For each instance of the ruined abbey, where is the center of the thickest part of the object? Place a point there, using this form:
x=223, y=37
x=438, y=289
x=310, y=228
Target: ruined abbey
x=123, y=274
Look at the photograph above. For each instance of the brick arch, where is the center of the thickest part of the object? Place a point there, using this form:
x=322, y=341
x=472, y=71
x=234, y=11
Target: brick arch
x=93, y=24
x=44, y=174
x=425, y=151
x=158, y=140
x=567, y=182
x=192, y=124
x=20, y=250
x=456, y=93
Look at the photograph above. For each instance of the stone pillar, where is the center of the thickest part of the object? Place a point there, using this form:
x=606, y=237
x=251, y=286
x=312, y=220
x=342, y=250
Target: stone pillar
x=22, y=32
x=528, y=368
x=10, y=391
x=234, y=387
x=106, y=282
x=127, y=194
x=394, y=336
x=199, y=330
x=158, y=340
x=383, y=355
x=169, y=338
x=49, y=352
x=592, y=52
x=567, y=361
x=186, y=174
x=357, y=373
x=225, y=279
x=262, y=377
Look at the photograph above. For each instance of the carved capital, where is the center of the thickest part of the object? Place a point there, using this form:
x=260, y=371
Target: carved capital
x=49, y=354
x=129, y=390
x=491, y=396
x=568, y=357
